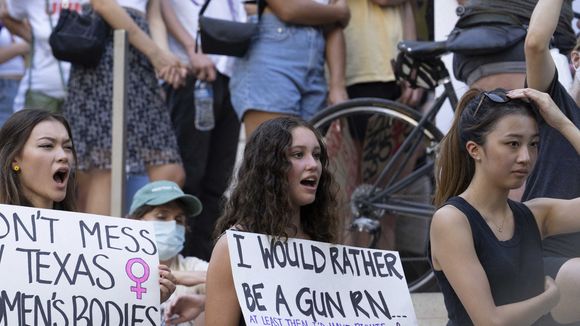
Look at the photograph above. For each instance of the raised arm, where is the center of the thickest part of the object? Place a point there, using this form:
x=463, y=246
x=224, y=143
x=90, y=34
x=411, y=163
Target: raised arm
x=540, y=67
x=308, y=12
x=551, y=114
x=453, y=252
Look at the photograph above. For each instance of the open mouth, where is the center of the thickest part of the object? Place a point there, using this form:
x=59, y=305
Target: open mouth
x=309, y=182
x=60, y=175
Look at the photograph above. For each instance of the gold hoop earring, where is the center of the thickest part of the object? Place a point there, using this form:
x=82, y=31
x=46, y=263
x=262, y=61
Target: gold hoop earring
x=16, y=168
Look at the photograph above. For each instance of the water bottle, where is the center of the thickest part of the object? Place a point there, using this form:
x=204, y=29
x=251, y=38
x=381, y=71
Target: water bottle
x=203, y=95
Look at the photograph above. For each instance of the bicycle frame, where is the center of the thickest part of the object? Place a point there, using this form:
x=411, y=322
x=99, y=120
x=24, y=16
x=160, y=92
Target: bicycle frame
x=409, y=146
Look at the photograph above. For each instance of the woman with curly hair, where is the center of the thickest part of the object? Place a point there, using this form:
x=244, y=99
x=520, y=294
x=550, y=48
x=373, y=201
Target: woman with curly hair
x=283, y=189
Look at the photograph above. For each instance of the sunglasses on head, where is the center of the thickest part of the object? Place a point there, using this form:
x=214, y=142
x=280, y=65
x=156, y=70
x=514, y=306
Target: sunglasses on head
x=496, y=98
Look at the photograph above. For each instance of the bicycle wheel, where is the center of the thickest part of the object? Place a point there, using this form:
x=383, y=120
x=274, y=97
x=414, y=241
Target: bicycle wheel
x=383, y=160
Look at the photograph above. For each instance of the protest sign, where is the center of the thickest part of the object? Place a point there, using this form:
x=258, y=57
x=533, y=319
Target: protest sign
x=64, y=268
x=308, y=283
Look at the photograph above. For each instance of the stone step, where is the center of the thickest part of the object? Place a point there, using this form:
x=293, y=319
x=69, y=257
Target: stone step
x=429, y=309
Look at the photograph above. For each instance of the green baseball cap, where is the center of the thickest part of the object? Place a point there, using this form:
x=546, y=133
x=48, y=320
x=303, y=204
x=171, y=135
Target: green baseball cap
x=161, y=192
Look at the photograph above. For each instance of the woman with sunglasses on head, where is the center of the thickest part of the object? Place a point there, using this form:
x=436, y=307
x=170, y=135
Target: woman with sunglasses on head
x=486, y=249
x=38, y=168
x=556, y=174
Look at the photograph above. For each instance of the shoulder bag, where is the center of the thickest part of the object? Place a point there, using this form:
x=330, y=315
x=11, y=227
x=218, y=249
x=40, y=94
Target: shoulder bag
x=79, y=38
x=225, y=37
x=484, y=31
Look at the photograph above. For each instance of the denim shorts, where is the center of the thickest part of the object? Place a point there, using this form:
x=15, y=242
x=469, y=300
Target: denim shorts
x=8, y=90
x=282, y=72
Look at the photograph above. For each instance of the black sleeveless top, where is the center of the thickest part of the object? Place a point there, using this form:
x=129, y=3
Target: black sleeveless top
x=514, y=267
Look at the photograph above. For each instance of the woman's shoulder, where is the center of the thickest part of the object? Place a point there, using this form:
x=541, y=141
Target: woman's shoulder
x=448, y=213
x=448, y=218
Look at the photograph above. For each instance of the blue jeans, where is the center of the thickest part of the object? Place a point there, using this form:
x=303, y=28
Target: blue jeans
x=8, y=90
x=283, y=71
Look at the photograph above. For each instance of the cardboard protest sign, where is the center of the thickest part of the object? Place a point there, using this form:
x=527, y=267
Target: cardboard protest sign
x=309, y=283
x=64, y=268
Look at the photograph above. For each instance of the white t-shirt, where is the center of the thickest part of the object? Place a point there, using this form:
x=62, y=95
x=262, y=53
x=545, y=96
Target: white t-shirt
x=186, y=264
x=45, y=69
x=14, y=66
x=187, y=12
x=140, y=5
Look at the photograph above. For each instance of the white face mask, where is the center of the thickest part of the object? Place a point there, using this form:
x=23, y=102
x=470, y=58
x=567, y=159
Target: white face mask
x=170, y=238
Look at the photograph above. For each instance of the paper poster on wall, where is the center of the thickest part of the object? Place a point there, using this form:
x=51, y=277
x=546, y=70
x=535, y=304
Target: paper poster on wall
x=64, y=268
x=309, y=283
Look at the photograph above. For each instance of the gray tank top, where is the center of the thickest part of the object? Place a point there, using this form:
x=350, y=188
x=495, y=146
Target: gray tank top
x=564, y=36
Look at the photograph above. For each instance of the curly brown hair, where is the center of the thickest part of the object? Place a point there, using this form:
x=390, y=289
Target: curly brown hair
x=259, y=201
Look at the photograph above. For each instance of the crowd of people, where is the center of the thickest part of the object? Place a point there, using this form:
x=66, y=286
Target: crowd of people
x=500, y=256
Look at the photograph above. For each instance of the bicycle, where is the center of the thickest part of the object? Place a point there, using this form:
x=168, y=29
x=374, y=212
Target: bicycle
x=383, y=155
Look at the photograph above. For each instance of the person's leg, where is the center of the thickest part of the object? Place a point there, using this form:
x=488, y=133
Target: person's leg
x=254, y=118
x=95, y=191
x=172, y=172
x=568, y=281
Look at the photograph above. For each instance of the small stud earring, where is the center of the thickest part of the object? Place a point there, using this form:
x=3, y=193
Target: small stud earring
x=16, y=168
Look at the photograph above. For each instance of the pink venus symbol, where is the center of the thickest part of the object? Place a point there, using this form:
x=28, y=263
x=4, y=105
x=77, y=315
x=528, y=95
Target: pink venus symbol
x=138, y=289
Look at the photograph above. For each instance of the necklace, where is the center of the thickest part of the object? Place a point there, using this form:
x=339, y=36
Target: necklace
x=499, y=228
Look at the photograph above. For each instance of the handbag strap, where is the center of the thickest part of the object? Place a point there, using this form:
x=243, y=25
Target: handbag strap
x=261, y=7
x=64, y=5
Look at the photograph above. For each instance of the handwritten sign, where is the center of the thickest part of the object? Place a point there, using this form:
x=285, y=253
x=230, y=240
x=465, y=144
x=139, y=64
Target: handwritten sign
x=63, y=268
x=308, y=283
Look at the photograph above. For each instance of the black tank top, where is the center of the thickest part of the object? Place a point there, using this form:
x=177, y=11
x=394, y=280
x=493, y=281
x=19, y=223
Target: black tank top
x=514, y=267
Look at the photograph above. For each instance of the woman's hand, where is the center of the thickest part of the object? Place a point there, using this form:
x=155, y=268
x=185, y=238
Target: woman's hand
x=168, y=68
x=201, y=65
x=337, y=95
x=545, y=105
x=190, y=278
x=184, y=308
x=166, y=283
x=552, y=292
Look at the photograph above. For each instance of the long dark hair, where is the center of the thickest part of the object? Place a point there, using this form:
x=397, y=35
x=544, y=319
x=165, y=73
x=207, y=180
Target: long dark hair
x=13, y=135
x=259, y=201
x=475, y=117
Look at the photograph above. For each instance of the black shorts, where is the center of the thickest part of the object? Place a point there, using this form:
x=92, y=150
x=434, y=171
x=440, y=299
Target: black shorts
x=470, y=68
